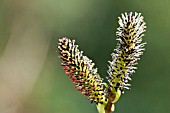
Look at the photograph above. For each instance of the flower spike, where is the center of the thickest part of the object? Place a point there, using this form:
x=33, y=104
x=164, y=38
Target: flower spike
x=123, y=64
x=127, y=53
x=82, y=72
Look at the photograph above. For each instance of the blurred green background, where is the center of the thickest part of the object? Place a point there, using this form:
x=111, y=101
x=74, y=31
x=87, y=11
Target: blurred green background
x=93, y=24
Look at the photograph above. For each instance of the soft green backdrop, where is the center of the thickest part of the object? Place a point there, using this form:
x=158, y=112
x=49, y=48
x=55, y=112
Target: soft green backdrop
x=93, y=24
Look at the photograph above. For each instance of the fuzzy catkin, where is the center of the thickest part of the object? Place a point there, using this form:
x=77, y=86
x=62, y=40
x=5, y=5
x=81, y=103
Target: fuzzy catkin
x=84, y=76
x=128, y=51
x=81, y=70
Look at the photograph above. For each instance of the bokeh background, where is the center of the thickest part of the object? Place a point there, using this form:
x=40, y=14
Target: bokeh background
x=31, y=78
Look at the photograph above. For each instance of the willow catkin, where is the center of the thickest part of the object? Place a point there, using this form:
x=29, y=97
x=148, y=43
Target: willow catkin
x=128, y=51
x=123, y=64
x=81, y=70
